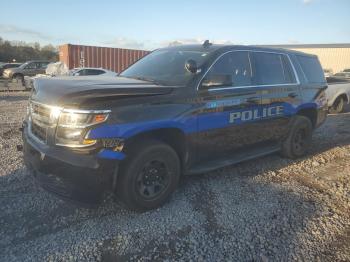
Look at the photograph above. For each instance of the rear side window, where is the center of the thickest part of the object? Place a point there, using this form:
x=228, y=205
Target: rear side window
x=272, y=69
x=43, y=65
x=311, y=68
x=93, y=72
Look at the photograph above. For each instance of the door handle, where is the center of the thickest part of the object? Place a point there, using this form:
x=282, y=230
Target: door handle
x=293, y=95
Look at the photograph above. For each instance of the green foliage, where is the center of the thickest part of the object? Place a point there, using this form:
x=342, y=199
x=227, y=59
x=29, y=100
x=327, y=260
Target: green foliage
x=22, y=51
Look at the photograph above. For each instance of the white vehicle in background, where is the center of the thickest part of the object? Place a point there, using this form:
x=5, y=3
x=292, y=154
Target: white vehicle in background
x=345, y=73
x=91, y=71
x=328, y=72
x=60, y=69
x=338, y=94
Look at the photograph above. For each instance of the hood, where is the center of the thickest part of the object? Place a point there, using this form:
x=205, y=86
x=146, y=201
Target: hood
x=75, y=91
x=12, y=69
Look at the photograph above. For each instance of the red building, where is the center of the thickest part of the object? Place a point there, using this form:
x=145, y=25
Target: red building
x=115, y=59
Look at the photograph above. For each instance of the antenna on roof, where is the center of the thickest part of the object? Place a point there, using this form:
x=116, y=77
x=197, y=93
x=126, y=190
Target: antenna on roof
x=207, y=43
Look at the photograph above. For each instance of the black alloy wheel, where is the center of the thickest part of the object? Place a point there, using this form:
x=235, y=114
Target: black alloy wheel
x=148, y=176
x=153, y=179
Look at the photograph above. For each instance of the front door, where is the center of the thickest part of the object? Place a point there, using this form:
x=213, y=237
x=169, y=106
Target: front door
x=30, y=69
x=228, y=119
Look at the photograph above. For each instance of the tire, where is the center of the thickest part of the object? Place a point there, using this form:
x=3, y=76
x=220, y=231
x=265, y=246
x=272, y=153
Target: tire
x=299, y=138
x=19, y=79
x=338, y=106
x=149, y=176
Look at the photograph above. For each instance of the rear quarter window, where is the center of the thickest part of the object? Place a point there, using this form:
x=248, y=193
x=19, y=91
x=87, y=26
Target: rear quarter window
x=311, y=68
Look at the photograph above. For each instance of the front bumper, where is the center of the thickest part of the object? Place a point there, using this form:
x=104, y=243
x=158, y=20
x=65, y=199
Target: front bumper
x=321, y=115
x=68, y=175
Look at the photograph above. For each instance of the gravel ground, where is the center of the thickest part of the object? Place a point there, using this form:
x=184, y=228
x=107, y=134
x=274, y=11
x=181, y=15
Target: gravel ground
x=7, y=85
x=269, y=209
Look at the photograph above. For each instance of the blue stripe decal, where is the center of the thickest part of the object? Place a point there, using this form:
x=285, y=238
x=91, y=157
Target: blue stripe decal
x=110, y=154
x=197, y=123
x=186, y=124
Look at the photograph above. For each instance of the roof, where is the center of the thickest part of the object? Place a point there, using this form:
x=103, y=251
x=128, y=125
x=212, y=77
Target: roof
x=340, y=45
x=224, y=48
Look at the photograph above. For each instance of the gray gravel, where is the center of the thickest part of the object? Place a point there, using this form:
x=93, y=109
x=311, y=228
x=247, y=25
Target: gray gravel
x=269, y=209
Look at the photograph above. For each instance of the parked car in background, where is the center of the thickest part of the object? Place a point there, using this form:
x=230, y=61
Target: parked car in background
x=338, y=94
x=328, y=72
x=30, y=68
x=345, y=73
x=85, y=71
x=4, y=66
x=91, y=71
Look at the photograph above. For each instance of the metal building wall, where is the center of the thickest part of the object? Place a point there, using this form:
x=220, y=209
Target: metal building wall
x=336, y=59
x=115, y=59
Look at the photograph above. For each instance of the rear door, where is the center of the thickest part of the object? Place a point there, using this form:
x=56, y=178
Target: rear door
x=226, y=122
x=275, y=76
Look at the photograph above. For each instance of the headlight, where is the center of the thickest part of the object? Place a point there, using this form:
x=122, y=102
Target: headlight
x=73, y=126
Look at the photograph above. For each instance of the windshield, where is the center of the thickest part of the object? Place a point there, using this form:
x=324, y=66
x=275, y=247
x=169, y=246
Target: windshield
x=72, y=71
x=165, y=67
x=24, y=65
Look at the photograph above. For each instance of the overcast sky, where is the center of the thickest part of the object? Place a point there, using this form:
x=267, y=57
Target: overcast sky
x=155, y=23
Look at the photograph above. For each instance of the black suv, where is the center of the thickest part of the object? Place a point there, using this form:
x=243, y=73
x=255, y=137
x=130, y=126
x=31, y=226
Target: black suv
x=177, y=111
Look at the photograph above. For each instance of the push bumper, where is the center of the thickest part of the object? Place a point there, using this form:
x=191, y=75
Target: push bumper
x=68, y=175
x=321, y=115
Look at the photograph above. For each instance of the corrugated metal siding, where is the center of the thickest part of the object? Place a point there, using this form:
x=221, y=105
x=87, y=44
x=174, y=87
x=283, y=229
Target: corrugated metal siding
x=115, y=59
x=336, y=59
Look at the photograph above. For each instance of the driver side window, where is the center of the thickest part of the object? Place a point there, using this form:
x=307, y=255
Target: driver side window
x=31, y=66
x=232, y=69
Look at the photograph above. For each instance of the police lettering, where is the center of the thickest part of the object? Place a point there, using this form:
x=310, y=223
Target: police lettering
x=256, y=114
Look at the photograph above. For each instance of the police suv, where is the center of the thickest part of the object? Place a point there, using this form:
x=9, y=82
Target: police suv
x=179, y=110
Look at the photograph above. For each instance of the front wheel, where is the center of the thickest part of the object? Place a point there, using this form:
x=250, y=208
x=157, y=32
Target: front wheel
x=299, y=138
x=19, y=79
x=149, y=176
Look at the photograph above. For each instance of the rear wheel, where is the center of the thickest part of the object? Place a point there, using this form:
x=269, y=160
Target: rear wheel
x=338, y=106
x=149, y=176
x=299, y=139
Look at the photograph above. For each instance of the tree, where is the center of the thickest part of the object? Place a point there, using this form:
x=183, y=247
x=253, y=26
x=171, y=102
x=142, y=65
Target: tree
x=22, y=51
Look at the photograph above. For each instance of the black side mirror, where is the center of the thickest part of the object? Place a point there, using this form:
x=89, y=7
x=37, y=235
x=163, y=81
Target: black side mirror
x=217, y=80
x=191, y=66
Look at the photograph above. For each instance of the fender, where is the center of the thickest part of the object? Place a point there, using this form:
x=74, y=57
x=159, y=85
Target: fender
x=331, y=102
x=186, y=125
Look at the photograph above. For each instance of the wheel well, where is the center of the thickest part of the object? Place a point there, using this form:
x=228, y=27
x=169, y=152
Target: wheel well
x=17, y=74
x=343, y=96
x=310, y=113
x=172, y=136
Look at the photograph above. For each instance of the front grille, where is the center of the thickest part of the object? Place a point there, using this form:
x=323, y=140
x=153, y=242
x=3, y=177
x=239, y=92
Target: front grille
x=41, y=112
x=40, y=120
x=39, y=131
